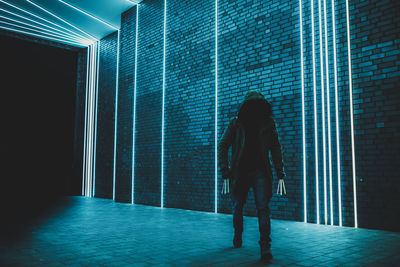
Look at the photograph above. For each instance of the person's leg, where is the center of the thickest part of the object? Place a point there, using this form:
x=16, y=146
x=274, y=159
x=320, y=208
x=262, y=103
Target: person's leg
x=238, y=202
x=262, y=196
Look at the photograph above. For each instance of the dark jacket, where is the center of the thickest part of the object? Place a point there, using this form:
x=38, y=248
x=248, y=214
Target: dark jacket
x=234, y=135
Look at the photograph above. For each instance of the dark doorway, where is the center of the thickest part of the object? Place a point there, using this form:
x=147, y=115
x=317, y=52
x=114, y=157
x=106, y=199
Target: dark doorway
x=38, y=85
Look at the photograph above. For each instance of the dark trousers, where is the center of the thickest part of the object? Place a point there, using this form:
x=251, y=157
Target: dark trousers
x=258, y=180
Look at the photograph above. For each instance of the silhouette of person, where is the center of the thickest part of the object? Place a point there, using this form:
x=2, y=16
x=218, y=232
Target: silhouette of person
x=253, y=136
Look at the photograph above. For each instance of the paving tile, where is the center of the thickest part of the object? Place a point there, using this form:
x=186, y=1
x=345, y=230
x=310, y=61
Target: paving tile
x=100, y=232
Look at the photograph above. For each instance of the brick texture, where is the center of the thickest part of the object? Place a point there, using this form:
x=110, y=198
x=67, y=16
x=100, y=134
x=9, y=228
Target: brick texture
x=259, y=48
x=106, y=116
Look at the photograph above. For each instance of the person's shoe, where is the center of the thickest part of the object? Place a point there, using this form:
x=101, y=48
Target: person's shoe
x=237, y=240
x=266, y=254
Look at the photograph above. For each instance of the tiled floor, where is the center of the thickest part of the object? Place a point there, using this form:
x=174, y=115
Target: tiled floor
x=93, y=232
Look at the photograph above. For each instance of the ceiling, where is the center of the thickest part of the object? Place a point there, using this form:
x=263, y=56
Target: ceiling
x=75, y=22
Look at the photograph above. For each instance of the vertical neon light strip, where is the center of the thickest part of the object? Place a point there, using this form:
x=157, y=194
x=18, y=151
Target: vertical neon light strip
x=323, y=106
x=328, y=112
x=87, y=167
x=337, y=113
x=134, y=109
x=216, y=111
x=163, y=103
x=85, y=125
x=95, y=116
x=351, y=114
x=303, y=113
x=315, y=111
x=116, y=114
x=90, y=136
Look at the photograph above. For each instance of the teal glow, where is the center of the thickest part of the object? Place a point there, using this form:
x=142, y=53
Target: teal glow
x=53, y=30
x=216, y=111
x=337, y=113
x=163, y=107
x=87, y=14
x=63, y=20
x=353, y=156
x=36, y=16
x=40, y=31
x=303, y=114
x=116, y=114
x=134, y=109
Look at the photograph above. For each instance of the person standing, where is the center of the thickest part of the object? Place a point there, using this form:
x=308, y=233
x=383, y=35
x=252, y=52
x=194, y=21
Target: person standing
x=252, y=136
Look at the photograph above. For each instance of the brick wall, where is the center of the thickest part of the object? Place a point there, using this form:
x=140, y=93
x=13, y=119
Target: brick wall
x=106, y=116
x=259, y=48
x=376, y=79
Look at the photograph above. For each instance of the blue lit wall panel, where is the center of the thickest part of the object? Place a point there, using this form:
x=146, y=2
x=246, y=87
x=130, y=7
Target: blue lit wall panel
x=149, y=103
x=105, y=116
x=123, y=172
x=189, y=105
x=259, y=49
x=376, y=79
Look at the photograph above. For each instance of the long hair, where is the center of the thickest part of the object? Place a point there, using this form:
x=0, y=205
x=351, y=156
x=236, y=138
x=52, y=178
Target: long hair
x=255, y=112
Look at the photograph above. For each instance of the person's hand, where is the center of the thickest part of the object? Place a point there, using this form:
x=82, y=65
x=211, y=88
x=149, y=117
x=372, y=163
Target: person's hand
x=281, y=175
x=226, y=174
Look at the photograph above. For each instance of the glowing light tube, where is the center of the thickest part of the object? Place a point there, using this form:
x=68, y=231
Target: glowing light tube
x=134, y=108
x=36, y=16
x=323, y=107
x=55, y=31
x=315, y=112
x=95, y=116
x=216, y=110
x=43, y=36
x=63, y=20
x=116, y=114
x=328, y=113
x=353, y=156
x=32, y=28
x=336, y=113
x=303, y=113
x=163, y=107
x=88, y=14
x=86, y=122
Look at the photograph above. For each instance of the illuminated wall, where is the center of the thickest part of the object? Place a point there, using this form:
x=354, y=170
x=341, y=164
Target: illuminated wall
x=180, y=66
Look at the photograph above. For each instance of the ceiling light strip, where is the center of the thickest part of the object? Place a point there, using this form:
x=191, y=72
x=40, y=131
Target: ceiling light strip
x=36, y=16
x=63, y=20
x=88, y=14
x=32, y=28
x=42, y=24
x=43, y=36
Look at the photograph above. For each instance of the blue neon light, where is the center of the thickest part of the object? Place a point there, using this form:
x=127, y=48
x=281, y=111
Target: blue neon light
x=134, y=109
x=163, y=107
x=88, y=14
x=61, y=19
x=116, y=114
